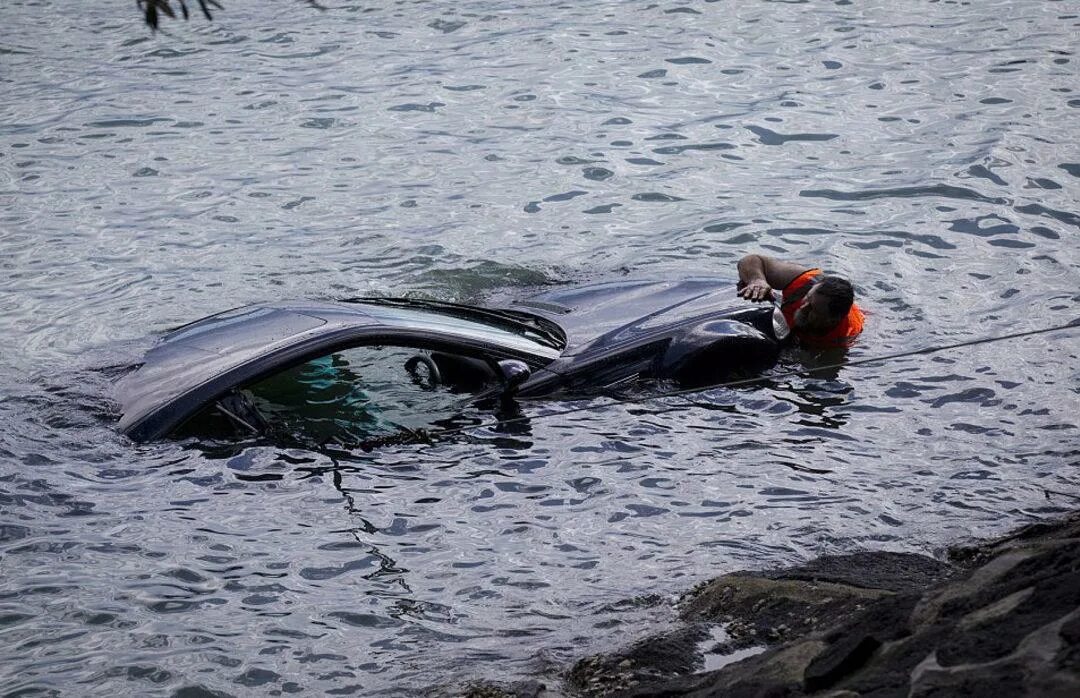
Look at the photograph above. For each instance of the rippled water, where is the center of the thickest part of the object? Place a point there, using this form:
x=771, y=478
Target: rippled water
x=471, y=149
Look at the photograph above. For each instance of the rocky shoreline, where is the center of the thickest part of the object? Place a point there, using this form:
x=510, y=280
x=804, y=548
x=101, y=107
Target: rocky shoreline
x=1002, y=617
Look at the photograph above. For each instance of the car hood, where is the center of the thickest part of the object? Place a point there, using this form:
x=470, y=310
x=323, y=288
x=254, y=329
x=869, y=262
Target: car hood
x=601, y=316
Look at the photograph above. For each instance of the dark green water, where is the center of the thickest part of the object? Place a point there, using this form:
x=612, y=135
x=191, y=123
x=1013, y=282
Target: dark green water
x=928, y=150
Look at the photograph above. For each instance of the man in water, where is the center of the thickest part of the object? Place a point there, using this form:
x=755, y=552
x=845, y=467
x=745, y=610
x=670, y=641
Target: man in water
x=818, y=310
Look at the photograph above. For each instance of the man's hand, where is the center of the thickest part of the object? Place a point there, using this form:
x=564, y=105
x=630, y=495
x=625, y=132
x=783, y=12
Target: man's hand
x=756, y=290
x=760, y=274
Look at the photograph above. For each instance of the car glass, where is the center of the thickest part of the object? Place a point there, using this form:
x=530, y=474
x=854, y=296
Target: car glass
x=366, y=392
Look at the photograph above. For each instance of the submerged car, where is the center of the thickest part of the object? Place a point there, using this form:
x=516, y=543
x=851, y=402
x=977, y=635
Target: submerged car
x=369, y=366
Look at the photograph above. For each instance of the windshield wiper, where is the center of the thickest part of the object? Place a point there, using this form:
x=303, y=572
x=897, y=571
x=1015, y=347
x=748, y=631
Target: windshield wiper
x=545, y=332
x=539, y=325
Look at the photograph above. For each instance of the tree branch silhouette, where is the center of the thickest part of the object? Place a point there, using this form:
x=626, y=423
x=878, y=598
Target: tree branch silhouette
x=152, y=10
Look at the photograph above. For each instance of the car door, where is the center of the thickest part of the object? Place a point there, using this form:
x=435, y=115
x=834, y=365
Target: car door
x=605, y=372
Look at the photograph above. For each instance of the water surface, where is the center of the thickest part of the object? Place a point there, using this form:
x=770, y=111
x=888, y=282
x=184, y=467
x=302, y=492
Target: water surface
x=480, y=150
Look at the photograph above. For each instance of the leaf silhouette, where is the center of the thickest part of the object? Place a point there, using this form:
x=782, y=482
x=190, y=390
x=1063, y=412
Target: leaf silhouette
x=153, y=9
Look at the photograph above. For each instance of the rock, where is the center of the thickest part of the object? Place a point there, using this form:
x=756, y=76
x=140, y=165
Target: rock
x=493, y=689
x=645, y=662
x=887, y=571
x=1002, y=619
x=759, y=609
x=1007, y=625
x=777, y=674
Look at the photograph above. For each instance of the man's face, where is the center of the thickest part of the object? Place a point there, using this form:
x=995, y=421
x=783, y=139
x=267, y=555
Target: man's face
x=813, y=317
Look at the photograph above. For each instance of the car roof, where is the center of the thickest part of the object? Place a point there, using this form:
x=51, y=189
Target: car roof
x=198, y=362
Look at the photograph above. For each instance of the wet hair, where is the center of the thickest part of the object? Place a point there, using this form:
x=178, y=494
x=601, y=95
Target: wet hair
x=839, y=294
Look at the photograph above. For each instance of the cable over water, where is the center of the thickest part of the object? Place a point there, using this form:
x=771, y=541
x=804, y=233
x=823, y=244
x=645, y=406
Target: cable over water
x=425, y=436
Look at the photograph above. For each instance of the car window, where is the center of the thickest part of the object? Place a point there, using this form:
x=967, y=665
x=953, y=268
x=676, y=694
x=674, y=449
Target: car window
x=361, y=393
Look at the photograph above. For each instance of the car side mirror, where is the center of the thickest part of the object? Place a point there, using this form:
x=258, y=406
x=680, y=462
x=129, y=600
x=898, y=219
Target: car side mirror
x=514, y=372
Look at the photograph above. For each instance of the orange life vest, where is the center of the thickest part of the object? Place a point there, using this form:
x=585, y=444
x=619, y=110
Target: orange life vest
x=795, y=296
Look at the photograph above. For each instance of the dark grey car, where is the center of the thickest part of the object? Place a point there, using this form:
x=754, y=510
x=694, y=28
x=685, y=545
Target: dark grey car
x=376, y=364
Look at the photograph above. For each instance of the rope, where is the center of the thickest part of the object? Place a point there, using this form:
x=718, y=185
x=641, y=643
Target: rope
x=429, y=437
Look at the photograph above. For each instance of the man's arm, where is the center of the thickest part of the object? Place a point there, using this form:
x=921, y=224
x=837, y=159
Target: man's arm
x=760, y=274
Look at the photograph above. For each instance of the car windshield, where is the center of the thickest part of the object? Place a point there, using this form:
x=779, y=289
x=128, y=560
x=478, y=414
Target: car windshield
x=351, y=396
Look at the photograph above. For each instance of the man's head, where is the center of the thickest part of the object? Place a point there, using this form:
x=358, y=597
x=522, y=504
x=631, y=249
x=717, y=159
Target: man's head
x=827, y=304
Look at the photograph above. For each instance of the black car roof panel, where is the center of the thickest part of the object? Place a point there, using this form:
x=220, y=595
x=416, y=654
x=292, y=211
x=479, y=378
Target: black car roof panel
x=244, y=327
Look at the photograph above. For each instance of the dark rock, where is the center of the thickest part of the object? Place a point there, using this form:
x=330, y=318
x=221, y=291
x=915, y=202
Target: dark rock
x=838, y=660
x=1007, y=626
x=1002, y=620
x=887, y=571
x=1061, y=529
x=777, y=674
x=771, y=611
x=492, y=689
x=645, y=662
